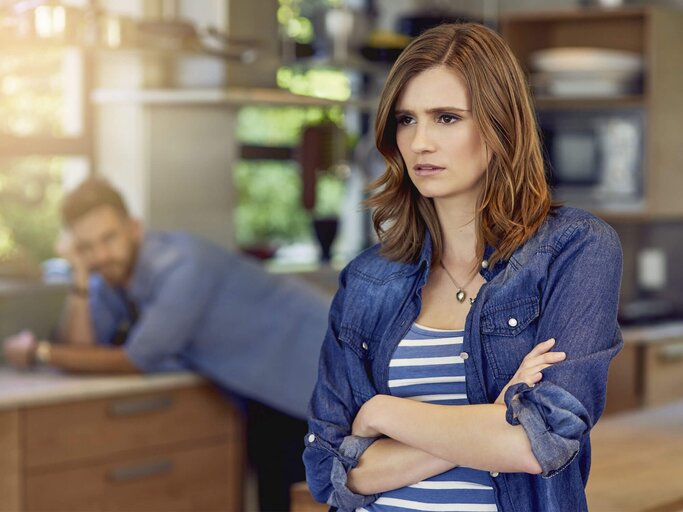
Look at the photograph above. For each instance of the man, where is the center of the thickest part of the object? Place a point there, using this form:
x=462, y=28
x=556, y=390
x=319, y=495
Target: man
x=163, y=301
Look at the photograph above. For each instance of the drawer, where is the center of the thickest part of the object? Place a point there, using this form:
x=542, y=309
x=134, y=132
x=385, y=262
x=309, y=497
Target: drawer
x=90, y=429
x=663, y=372
x=207, y=477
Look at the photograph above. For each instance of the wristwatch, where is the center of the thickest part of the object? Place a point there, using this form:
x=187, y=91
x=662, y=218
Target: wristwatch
x=80, y=291
x=43, y=353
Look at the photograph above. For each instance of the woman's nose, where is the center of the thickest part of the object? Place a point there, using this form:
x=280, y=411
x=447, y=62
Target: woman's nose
x=422, y=141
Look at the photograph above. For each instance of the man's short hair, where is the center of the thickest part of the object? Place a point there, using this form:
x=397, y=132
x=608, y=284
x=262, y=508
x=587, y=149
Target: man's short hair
x=89, y=195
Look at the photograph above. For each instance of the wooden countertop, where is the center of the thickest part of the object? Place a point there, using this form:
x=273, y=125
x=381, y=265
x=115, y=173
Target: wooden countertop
x=652, y=333
x=637, y=461
x=45, y=386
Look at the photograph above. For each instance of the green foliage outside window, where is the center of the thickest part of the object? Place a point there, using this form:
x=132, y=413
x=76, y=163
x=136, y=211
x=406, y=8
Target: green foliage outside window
x=30, y=194
x=269, y=208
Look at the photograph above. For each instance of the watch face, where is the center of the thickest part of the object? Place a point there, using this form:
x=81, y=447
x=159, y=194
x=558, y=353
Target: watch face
x=43, y=352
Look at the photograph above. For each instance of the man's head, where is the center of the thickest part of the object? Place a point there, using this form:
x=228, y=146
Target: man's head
x=105, y=238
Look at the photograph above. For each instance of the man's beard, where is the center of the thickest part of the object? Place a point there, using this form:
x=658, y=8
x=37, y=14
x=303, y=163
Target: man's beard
x=118, y=272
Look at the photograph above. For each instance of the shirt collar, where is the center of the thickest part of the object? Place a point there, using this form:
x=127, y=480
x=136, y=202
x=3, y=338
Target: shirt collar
x=425, y=259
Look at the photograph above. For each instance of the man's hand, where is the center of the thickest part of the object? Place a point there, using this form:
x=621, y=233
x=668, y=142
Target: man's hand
x=20, y=349
x=532, y=364
x=66, y=248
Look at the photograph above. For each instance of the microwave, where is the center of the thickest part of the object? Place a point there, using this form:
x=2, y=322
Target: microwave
x=595, y=157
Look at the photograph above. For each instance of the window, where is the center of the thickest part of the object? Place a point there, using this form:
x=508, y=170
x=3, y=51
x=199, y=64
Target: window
x=44, y=144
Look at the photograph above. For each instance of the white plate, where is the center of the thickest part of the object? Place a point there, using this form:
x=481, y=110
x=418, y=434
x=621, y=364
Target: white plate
x=574, y=59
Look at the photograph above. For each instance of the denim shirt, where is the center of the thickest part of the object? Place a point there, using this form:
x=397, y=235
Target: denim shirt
x=562, y=283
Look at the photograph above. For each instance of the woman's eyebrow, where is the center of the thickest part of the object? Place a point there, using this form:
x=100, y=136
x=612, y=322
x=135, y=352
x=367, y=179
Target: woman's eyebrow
x=432, y=110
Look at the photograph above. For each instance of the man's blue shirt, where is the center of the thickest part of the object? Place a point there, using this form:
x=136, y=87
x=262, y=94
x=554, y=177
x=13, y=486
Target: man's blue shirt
x=215, y=312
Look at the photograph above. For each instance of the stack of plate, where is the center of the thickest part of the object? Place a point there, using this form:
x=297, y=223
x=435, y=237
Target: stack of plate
x=582, y=72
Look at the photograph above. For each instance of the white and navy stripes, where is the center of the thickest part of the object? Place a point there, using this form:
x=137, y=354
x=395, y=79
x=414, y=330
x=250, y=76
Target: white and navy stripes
x=428, y=366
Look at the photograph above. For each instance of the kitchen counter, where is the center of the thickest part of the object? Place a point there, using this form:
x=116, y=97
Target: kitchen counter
x=20, y=389
x=654, y=333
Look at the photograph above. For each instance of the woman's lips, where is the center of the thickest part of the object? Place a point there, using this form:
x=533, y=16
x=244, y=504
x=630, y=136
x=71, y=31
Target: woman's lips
x=427, y=169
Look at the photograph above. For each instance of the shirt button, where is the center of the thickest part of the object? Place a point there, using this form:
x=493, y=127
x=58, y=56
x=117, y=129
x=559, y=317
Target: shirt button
x=311, y=438
x=494, y=474
x=464, y=355
x=365, y=346
x=485, y=264
x=512, y=322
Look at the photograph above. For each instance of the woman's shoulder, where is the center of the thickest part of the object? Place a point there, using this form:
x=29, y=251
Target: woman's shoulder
x=567, y=224
x=371, y=266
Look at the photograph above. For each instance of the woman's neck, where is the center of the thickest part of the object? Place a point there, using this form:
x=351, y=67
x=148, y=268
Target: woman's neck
x=459, y=229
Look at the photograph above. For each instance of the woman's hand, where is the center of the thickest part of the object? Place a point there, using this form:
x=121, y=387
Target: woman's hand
x=363, y=424
x=529, y=371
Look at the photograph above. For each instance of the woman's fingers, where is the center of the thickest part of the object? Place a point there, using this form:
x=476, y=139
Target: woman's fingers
x=541, y=348
x=548, y=357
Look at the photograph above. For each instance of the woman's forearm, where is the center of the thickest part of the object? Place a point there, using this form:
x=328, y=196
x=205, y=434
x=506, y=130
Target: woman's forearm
x=477, y=436
x=389, y=464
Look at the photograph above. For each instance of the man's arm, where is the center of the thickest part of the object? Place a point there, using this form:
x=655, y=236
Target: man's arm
x=91, y=359
x=23, y=350
x=76, y=325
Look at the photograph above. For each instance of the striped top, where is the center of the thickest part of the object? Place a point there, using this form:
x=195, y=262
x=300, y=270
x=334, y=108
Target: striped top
x=427, y=366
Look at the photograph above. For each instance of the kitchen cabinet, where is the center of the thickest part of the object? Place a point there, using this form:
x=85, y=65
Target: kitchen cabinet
x=153, y=443
x=649, y=369
x=656, y=34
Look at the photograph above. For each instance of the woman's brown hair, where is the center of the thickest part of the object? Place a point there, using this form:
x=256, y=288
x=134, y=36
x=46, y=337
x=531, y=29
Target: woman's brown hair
x=515, y=199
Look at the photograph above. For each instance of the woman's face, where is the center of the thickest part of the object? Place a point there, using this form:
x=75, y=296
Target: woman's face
x=438, y=138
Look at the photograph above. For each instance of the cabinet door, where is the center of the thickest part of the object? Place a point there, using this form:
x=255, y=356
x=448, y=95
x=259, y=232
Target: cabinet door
x=663, y=372
x=10, y=465
x=203, y=478
x=68, y=432
x=623, y=390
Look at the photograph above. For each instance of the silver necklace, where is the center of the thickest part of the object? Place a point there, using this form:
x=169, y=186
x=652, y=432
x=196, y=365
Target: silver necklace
x=460, y=295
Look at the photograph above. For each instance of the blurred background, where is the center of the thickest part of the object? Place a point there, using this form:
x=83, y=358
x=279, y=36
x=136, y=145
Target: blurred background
x=250, y=123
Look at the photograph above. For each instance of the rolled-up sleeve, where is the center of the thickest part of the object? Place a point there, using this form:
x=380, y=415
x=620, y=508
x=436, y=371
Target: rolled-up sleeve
x=330, y=449
x=579, y=310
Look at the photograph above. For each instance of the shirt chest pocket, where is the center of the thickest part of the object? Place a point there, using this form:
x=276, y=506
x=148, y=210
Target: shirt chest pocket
x=359, y=352
x=508, y=333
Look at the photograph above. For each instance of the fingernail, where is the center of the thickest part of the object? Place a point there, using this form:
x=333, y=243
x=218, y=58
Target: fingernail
x=551, y=340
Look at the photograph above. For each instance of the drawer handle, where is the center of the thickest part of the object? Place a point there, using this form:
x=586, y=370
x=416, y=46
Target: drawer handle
x=139, y=471
x=140, y=405
x=671, y=354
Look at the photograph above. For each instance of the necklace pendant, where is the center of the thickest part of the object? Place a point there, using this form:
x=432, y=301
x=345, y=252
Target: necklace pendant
x=460, y=296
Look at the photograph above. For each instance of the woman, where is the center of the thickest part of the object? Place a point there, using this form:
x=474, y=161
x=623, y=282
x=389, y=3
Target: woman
x=475, y=269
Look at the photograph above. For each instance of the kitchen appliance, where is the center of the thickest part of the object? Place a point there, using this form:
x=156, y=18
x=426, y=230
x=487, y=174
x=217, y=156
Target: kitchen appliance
x=595, y=157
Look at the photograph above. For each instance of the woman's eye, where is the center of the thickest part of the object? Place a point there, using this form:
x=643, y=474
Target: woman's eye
x=404, y=120
x=448, y=119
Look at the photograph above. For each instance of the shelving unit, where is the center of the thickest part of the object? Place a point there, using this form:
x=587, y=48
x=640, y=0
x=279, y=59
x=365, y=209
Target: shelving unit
x=656, y=34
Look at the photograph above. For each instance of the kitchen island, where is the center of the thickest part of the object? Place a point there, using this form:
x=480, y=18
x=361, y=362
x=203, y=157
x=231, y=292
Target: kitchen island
x=169, y=442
